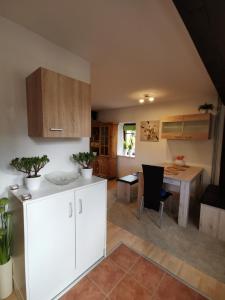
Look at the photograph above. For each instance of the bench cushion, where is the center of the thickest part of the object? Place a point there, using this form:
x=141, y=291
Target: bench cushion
x=130, y=179
x=213, y=196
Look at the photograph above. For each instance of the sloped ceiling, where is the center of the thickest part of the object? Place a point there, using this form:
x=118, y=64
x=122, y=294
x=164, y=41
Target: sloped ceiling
x=134, y=46
x=205, y=21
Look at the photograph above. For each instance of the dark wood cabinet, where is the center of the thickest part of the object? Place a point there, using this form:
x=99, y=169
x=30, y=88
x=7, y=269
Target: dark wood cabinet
x=104, y=143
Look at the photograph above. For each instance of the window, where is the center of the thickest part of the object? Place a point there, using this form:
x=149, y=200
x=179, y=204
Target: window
x=126, y=139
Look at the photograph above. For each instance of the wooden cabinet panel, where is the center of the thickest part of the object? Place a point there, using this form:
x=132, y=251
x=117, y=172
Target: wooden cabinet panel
x=104, y=143
x=212, y=221
x=209, y=220
x=221, y=229
x=84, y=109
x=52, y=100
x=186, y=127
x=105, y=167
x=58, y=106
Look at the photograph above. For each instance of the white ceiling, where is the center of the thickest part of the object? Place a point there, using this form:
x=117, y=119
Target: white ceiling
x=135, y=47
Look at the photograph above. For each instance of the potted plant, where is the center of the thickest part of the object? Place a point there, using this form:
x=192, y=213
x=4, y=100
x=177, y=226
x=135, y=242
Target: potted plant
x=125, y=147
x=205, y=108
x=85, y=159
x=179, y=160
x=5, y=250
x=30, y=166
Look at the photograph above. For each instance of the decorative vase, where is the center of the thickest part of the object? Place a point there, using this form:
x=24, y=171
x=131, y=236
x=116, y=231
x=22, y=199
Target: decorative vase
x=87, y=173
x=180, y=162
x=33, y=183
x=6, y=286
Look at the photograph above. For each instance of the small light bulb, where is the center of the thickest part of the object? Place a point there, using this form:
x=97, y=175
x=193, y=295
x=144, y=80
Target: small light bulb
x=141, y=100
x=151, y=99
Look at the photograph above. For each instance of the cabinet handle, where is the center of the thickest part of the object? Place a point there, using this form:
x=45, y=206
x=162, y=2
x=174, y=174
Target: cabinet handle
x=70, y=210
x=56, y=129
x=81, y=207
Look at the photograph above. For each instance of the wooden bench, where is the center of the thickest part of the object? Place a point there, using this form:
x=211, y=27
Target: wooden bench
x=212, y=215
x=125, y=192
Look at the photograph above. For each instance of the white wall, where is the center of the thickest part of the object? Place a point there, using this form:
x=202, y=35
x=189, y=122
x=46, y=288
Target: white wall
x=21, y=52
x=195, y=152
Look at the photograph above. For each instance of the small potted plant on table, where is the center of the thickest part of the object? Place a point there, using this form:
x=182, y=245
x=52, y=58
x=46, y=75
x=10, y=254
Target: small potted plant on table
x=30, y=166
x=85, y=159
x=179, y=160
x=5, y=250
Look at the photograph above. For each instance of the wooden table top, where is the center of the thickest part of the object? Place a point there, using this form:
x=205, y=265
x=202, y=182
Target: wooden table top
x=181, y=173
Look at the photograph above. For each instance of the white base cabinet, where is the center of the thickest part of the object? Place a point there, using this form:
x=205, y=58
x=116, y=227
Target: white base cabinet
x=90, y=226
x=63, y=236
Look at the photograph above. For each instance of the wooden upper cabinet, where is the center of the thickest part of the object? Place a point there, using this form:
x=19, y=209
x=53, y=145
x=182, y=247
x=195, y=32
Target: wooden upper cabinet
x=186, y=127
x=57, y=106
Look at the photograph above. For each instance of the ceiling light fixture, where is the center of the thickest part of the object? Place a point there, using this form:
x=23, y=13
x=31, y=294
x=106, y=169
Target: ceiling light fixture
x=146, y=99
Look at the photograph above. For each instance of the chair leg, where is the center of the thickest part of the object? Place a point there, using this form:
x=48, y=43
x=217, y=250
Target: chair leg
x=161, y=213
x=140, y=208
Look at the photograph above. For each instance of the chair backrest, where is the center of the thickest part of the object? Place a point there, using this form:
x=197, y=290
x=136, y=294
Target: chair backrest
x=153, y=180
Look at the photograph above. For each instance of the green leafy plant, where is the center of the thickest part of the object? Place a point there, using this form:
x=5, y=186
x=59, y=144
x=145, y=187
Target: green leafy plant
x=30, y=165
x=84, y=159
x=125, y=145
x=130, y=144
x=5, y=232
x=206, y=107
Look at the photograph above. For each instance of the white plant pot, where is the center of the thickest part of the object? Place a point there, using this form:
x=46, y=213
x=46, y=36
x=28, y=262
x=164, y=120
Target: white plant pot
x=33, y=184
x=87, y=173
x=6, y=286
x=179, y=162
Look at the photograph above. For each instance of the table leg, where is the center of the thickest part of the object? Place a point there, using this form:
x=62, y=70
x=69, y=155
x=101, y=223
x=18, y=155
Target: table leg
x=199, y=181
x=140, y=189
x=185, y=191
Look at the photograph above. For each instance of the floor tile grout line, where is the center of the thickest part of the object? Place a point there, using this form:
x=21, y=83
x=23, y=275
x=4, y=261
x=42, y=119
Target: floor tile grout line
x=157, y=264
x=100, y=289
x=173, y=274
x=160, y=281
x=125, y=273
x=133, y=276
x=117, y=265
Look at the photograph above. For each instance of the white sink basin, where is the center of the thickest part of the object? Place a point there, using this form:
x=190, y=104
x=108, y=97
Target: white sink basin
x=62, y=178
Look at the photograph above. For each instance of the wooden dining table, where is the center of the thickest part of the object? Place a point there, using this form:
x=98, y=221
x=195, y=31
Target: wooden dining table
x=182, y=177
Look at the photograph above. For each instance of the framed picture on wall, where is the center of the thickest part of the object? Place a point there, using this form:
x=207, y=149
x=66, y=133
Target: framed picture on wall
x=149, y=131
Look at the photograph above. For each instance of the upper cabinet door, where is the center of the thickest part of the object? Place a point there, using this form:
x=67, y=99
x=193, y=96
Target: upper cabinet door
x=58, y=106
x=50, y=245
x=84, y=105
x=186, y=127
x=52, y=104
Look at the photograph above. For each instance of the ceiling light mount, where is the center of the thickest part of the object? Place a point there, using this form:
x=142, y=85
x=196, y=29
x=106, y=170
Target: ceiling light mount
x=146, y=98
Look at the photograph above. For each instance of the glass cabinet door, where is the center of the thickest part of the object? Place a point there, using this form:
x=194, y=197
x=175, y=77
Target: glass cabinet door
x=196, y=129
x=104, y=140
x=172, y=130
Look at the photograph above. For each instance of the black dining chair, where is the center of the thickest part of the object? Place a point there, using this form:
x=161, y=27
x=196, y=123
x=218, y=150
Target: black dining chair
x=154, y=195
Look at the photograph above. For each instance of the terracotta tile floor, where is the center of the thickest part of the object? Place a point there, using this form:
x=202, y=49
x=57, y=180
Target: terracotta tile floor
x=202, y=282
x=126, y=275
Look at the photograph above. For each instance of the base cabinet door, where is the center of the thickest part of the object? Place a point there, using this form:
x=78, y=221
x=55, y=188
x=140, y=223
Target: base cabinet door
x=50, y=245
x=90, y=225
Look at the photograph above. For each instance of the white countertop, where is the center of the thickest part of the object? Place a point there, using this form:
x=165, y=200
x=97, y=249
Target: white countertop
x=47, y=188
